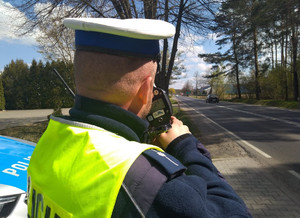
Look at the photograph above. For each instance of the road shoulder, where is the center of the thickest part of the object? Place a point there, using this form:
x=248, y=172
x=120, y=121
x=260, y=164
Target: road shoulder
x=253, y=180
x=216, y=140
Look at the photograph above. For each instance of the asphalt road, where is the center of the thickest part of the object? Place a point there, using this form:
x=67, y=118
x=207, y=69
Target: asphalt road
x=271, y=134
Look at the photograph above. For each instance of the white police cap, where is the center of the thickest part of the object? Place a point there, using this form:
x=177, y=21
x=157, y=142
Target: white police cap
x=138, y=37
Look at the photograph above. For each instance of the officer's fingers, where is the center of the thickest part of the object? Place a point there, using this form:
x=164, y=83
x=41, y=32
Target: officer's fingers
x=178, y=126
x=178, y=129
x=175, y=121
x=156, y=142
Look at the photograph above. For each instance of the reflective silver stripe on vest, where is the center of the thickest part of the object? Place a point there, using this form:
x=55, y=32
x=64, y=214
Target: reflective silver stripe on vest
x=75, y=123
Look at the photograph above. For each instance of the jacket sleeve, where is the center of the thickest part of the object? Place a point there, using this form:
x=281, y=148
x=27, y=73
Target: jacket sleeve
x=201, y=191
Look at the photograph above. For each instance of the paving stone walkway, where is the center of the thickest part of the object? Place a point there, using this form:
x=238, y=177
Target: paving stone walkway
x=261, y=191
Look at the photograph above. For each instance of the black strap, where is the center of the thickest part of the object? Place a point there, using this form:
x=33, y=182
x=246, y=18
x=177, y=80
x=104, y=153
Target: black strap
x=143, y=181
x=170, y=165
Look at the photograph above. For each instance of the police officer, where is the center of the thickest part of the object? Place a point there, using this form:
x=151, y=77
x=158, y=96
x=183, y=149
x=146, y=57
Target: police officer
x=94, y=163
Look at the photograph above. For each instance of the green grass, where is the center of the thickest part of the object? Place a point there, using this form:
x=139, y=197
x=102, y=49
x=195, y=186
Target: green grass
x=30, y=132
x=264, y=102
x=173, y=101
x=272, y=103
x=181, y=115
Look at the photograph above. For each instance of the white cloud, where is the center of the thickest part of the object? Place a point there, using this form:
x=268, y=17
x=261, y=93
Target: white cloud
x=212, y=36
x=179, y=83
x=10, y=19
x=192, y=46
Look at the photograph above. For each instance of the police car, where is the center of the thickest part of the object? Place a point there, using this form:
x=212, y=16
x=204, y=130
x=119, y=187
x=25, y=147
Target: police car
x=14, y=160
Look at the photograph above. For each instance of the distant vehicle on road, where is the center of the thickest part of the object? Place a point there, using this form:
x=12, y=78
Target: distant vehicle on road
x=14, y=160
x=212, y=99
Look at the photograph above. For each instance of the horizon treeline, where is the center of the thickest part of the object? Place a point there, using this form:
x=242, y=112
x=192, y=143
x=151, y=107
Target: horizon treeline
x=261, y=46
x=35, y=86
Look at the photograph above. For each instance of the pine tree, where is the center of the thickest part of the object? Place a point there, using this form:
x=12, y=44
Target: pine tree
x=14, y=84
x=2, y=99
x=229, y=24
x=34, y=86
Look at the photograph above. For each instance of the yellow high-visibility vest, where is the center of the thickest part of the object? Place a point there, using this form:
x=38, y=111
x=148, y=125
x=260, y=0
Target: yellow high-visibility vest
x=77, y=170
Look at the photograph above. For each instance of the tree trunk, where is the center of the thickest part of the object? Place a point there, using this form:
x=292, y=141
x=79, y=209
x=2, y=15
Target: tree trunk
x=276, y=56
x=282, y=50
x=159, y=80
x=272, y=53
x=294, y=64
x=122, y=8
x=236, y=67
x=175, y=43
x=257, y=86
x=150, y=8
x=285, y=68
x=283, y=65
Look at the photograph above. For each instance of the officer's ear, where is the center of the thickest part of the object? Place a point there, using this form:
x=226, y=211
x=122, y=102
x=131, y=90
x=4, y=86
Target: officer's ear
x=145, y=90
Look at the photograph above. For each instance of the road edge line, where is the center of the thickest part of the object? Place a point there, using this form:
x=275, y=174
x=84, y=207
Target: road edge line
x=239, y=140
x=294, y=173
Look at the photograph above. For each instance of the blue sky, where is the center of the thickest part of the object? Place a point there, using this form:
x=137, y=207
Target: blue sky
x=16, y=50
x=13, y=47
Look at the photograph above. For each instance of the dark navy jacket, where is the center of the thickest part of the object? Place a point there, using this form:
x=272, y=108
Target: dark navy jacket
x=198, y=192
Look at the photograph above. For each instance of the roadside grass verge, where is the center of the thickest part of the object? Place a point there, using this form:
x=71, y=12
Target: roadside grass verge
x=264, y=102
x=271, y=103
x=181, y=115
x=173, y=101
x=30, y=132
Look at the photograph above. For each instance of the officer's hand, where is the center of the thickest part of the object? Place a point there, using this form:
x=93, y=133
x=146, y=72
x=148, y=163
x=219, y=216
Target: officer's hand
x=178, y=129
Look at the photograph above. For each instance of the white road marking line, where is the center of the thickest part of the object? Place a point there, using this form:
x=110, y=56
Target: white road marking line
x=294, y=173
x=263, y=116
x=239, y=140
